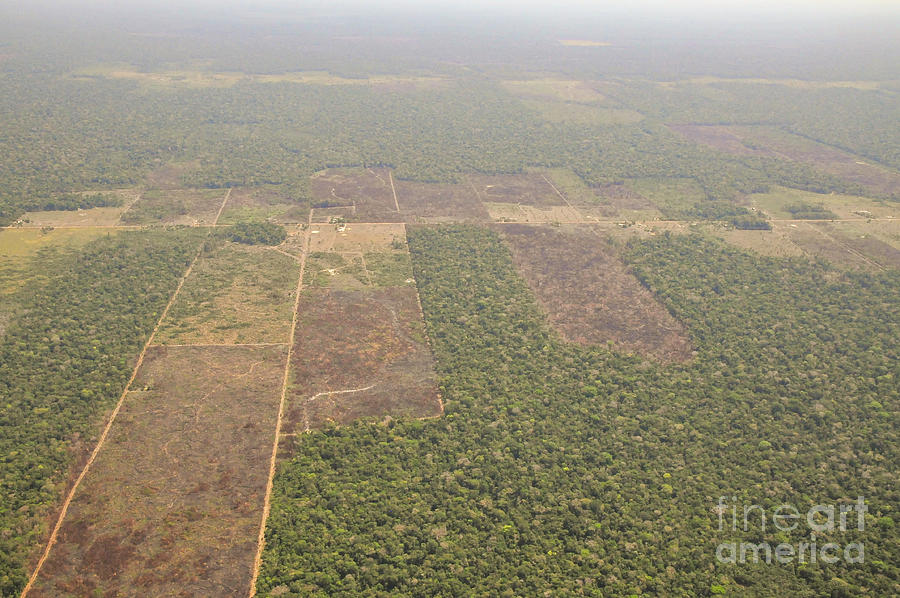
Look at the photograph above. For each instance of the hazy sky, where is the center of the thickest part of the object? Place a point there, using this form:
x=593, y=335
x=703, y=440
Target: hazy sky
x=698, y=7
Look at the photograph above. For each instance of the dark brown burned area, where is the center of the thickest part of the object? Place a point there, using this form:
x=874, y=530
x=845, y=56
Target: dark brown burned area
x=171, y=506
x=589, y=294
x=359, y=353
x=364, y=193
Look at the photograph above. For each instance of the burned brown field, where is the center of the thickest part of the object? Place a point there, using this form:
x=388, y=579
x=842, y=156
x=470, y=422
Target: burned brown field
x=530, y=189
x=360, y=353
x=770, y=141
x=817, y=242
x=620, y=200
x=433, y=202
x=172, y=505
x=721, y=138
x=365, y=195
x=589, y=295
x=848, y=245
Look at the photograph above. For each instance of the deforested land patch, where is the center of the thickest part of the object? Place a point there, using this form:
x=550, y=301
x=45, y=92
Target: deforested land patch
x=172, y=504
x=590, y=296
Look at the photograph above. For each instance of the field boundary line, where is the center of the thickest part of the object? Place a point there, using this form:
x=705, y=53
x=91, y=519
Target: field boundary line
x=424, y=326
x=393, y=190
x=267, y=499
x=112, y=417
x=561, y=196
x=223, y=345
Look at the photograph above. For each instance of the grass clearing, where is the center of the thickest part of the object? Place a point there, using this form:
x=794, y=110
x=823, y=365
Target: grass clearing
x=172, y=504
x=357, y=237
x=90, y=217
x=564, y=90
x=235, y=294
x=180, y=206
x=571, y=186
x=818, y=242
x=775, y=202
x=192, y=77
x=253, y=204
x=336, y=271
x=774, y=242
x=589, y=295
x=721, y=138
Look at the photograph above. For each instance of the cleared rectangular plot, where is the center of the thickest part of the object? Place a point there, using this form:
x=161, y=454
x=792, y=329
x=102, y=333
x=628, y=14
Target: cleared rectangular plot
x=774, y=242
x=434, y=202
x=589, y=295
x=510, y=212
x=262, y=203
x=90, y=217
x=816, y=241
x=530, y=189
x=777, y=202
x=355, y=236
x=172, y=505
x=366, y=194
x=175, y=206
x=235, y=294
x=360, y=353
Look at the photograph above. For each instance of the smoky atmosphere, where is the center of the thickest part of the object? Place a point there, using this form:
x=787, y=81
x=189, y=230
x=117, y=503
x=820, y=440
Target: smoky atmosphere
x=514, y=299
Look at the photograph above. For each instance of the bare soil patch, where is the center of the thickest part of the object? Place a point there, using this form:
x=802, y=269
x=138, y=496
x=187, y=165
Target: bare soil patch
x=433, y=202
x=590, y=296
x=172, y=504
x=371, y=342
x=366, y=192
x=356, y=236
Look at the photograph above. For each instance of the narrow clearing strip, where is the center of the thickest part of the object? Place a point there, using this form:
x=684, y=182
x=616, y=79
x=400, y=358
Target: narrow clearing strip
x=267, y=501
x=225, y=345
x=394, y=190
x=112, y=418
